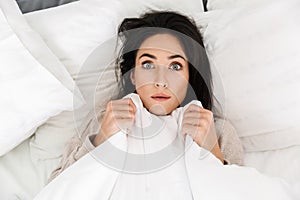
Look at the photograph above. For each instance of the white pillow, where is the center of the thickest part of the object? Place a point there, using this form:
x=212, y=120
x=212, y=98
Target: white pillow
x=73, y=30
x=137, y=7
x=82, y=35
x=256, y=52
x=30, y=93
x=224, y=4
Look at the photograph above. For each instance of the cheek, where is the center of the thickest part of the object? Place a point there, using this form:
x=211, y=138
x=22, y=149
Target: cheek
x=178, y=85
x=144, y=78
x=144, y=92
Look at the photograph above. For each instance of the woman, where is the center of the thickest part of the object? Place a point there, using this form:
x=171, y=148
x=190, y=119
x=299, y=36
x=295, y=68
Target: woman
x=162, y=60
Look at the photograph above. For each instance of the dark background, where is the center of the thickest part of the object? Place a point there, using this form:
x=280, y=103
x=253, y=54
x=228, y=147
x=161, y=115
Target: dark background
x=32, y=5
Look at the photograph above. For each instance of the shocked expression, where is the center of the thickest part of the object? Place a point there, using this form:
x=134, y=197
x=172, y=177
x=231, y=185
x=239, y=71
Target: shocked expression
x=161, y=73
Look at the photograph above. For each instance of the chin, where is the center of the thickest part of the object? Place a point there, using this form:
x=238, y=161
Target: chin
x=158, y=110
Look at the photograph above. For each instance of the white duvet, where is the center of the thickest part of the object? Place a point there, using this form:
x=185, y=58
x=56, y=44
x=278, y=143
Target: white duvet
x=161, y=166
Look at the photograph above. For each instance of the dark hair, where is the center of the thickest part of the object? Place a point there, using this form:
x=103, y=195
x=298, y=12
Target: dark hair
x=182, y=27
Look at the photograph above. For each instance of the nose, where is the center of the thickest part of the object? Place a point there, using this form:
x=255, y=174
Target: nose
x=164, y=85
x=160, y=80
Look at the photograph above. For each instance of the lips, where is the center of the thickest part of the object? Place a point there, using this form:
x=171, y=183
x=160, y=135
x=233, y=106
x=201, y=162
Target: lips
x=160, y=97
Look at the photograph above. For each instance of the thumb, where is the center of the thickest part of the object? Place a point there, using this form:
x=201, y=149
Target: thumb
x=132, y=105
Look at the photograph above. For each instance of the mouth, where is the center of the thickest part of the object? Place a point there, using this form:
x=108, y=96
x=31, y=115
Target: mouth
x=160, y=97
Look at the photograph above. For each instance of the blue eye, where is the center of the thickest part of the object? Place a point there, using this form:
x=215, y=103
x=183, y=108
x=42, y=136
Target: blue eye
x=176, y=66
x=147, y=65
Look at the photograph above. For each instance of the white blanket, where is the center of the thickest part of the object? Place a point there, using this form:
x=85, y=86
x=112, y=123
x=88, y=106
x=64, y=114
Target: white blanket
x=160, y=164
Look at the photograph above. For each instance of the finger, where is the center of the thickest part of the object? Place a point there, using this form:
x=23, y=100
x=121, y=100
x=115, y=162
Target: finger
x=206, y=120
x=204, y=110
x=132, y=105
x=122, y=114
x=124, y=124
x=195, y=121
x=123, y=104
x=195, y=110
x=193, y=114
x=127, y=103
x=203, y=124
x=121, y=101
x=190, y=130
x=193, y=107
x=207, y=115
x=199, y=135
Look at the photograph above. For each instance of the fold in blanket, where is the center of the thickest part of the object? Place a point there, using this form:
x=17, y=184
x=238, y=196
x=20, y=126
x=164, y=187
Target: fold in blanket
x=153, y=161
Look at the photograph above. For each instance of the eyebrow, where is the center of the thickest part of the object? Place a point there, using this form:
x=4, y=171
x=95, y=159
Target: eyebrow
x=153, y=57
x=147, y=55
x=176, y=56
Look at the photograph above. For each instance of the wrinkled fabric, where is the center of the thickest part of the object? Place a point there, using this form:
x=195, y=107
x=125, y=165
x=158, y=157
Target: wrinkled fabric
x=126, y=167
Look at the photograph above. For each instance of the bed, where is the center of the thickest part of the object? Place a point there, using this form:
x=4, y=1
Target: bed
x=252, y=48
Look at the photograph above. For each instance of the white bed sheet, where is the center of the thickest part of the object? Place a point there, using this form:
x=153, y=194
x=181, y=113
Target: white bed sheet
x=206, y=176
x=283, y=163
x=22, y=176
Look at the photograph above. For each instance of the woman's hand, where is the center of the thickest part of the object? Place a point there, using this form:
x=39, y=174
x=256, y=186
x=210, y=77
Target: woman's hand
x=119, y=115
x=199, y=124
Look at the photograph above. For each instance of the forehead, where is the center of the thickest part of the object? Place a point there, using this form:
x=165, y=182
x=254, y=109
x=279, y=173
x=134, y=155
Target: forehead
x=163, y=43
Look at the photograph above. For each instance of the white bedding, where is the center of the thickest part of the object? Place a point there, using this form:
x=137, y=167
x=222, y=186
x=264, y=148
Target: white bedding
x=24, y=170
x=210, y=180
x=33, y=85
x=26, y=181
x=284, y=163
x=132, y=173
x=22, y=176
x=32, y=82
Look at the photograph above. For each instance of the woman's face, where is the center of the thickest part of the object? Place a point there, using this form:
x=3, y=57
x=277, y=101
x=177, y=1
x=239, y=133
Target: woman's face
x=161, y=73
